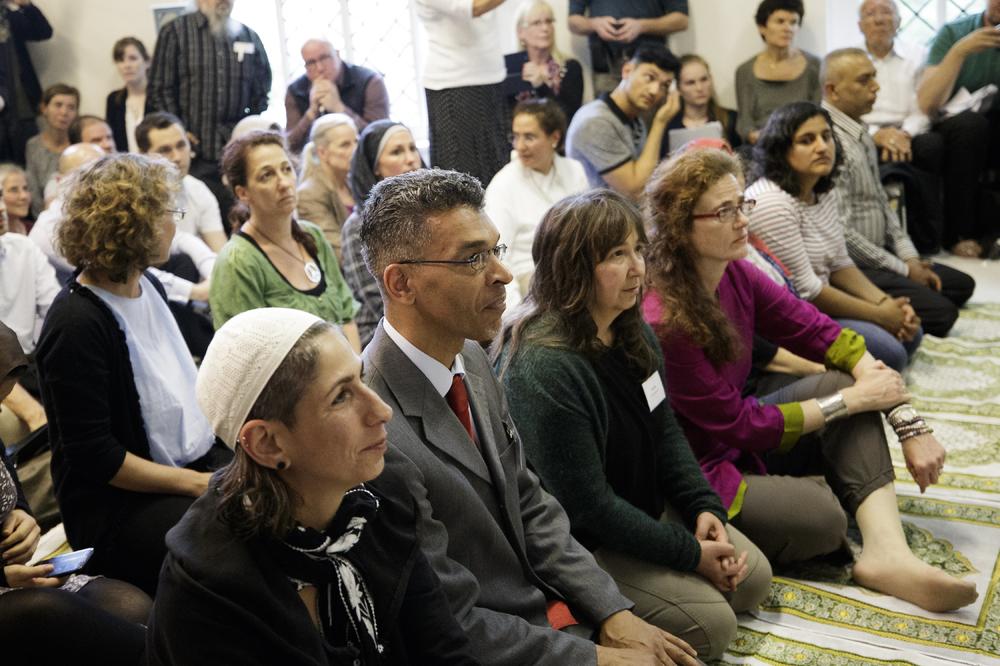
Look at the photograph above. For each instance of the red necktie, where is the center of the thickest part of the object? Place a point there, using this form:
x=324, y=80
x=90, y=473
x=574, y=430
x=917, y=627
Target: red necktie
x=458, y=400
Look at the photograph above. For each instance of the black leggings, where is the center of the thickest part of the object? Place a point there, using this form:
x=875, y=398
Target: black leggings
x=136, y=550
x=102, y=623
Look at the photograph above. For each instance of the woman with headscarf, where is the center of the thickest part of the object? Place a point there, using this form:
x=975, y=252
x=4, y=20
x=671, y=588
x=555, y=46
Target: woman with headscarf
x=290, y=558
x=385, y=148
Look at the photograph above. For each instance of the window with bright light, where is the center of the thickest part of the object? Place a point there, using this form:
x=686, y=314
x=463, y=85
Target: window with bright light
x=920, y=19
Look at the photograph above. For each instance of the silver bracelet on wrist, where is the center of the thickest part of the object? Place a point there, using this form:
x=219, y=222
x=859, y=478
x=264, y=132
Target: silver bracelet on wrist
x=832, y=407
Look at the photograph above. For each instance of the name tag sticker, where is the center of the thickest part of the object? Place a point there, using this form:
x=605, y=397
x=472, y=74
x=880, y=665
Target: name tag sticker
x=242, y=49
x=655, y=393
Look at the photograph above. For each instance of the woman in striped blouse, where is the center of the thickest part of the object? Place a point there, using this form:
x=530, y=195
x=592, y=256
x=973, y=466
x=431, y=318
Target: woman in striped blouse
x=795, y=164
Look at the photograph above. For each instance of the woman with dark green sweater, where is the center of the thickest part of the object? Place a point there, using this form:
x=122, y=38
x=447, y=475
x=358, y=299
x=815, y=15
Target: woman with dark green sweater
x=584, y=378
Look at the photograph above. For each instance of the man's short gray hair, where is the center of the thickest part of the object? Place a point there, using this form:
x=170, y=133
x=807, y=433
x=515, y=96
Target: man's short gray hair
x=393, y=219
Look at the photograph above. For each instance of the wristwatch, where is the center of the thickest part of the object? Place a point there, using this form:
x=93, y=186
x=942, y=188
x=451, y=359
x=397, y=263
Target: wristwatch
x=902, y=414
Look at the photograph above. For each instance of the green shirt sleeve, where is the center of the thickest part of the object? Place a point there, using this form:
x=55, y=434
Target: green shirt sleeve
x=794, y=419
x=846, y=351
x=236, y=282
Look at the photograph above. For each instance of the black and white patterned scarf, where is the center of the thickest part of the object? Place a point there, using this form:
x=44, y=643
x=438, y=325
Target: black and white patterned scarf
x=309, y=557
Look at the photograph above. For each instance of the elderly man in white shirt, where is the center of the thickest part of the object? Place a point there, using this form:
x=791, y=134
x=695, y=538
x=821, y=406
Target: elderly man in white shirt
x=908, y=148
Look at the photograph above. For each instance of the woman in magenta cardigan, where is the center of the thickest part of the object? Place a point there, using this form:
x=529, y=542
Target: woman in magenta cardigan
x=764, y=455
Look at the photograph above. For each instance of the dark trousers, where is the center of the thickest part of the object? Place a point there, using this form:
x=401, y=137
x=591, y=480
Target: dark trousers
x=937, y=310
x=922, y=192
x=135, y=550
x=796, y=511
x=468, y=129
x=958, y=149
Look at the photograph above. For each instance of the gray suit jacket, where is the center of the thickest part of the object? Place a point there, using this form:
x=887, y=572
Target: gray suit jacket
x=500, y=544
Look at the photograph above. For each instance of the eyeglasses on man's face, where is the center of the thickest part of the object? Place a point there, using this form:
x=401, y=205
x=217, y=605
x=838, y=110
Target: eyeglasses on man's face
x=728, y=214
x=476, y=262
x=313, y=63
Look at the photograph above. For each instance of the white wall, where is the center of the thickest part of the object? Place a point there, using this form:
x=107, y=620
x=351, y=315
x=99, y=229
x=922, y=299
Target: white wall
x=721, y=30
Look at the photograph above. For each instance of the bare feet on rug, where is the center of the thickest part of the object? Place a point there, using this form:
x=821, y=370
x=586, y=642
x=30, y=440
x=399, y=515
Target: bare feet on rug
x=910, y=579
x=967, y=248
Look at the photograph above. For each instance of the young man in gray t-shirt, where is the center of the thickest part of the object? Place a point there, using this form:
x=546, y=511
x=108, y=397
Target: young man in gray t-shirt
x=608, y=136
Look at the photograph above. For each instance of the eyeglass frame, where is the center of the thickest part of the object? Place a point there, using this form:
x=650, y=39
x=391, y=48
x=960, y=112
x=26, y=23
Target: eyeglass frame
x=315, y=62
x=740, y=208
x=498, y=251
x=178, y=213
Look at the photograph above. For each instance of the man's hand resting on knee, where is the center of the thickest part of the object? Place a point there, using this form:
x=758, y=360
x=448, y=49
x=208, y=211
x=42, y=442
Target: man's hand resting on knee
x=626, y=639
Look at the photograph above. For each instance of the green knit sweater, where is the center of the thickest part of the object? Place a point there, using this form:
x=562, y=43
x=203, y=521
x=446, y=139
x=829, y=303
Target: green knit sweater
x=556, y=400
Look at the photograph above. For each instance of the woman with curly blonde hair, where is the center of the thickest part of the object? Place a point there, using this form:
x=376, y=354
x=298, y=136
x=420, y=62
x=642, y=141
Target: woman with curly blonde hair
x=788, y=463
x=130, y=447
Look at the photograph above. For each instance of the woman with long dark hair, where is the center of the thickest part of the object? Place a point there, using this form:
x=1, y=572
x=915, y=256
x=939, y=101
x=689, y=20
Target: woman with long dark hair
x=584, y=379
x=798, y=215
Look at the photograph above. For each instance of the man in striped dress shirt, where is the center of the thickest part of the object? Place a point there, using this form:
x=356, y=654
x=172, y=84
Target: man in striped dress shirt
x=876, y=240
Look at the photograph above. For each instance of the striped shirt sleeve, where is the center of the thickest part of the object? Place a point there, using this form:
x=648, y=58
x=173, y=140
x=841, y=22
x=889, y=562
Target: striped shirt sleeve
x=776, y=222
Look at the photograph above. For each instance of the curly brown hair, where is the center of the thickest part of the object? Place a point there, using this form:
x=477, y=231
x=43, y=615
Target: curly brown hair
x=671, y=196
x=113, y=214
x=574, y=236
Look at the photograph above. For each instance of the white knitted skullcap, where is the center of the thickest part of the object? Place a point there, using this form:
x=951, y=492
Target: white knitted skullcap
x=239, y=363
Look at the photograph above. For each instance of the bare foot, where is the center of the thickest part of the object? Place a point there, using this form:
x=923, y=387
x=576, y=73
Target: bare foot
x=967, y=248
x=908, y=578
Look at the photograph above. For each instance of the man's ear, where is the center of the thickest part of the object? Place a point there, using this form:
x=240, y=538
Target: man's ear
x=627, y=68
x=259, y=439
x=398, y=284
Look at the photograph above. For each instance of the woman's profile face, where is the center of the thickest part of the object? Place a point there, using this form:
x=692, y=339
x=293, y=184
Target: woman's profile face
x=132, y=67
x=780, y=29
x=534, y=147
x=813, y=150
x=338, y=152
x=695, y=84
x=399, y=155
x=167, y=232
x=16, y=195
x=618, y=278
x=339, y=437
x=720, y=238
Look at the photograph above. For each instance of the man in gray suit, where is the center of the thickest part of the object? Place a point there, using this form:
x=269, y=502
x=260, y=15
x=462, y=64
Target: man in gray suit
x=500, y=544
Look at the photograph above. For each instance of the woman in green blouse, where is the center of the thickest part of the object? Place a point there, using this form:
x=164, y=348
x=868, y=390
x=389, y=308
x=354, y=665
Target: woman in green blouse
x=274, y=260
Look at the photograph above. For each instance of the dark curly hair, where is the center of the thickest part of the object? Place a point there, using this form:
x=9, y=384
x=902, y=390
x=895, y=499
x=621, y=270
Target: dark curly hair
x=574, y=236
x=770, y=154
x=768, y=7
x=671, y=196
x=113, y=214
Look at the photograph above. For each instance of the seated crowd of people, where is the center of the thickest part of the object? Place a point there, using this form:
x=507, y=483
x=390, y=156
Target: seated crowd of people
x=565, y=392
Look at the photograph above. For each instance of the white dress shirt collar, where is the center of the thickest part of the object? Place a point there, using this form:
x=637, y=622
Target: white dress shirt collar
x=438, y=375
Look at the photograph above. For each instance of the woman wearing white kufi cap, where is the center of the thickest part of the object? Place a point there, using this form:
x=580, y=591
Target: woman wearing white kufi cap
x=289, y=558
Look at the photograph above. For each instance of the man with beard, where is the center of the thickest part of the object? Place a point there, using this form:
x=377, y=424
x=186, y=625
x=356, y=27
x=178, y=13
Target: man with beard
x=609, y=137
x=210, y=71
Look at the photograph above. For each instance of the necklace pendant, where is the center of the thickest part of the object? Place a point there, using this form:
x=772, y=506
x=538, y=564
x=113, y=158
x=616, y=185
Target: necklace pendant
x=312, y=271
